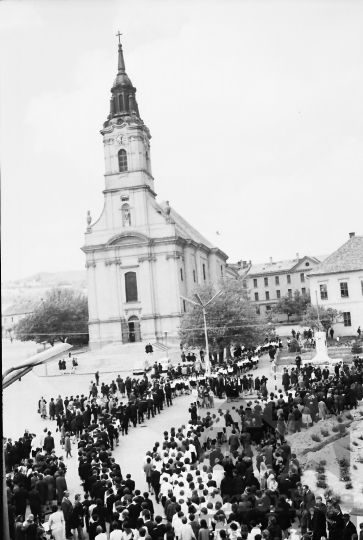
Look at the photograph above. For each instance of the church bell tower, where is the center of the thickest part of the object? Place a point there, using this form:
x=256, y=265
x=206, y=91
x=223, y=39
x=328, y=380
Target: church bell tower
x=127, y=150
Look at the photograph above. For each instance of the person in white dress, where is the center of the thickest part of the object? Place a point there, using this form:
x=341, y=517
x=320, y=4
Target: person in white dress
x=56, y=523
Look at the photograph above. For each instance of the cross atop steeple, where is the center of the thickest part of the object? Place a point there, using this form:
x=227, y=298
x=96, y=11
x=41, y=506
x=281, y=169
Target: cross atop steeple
x=119, y=36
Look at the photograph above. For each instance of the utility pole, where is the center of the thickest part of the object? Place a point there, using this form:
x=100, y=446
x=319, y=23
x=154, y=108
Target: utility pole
x=203, y=306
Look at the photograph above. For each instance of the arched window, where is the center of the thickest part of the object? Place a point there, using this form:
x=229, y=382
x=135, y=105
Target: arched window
x=131, y=287
x=122, y=160
x=126, y=215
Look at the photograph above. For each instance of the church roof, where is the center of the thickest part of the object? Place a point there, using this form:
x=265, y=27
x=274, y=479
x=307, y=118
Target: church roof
x=185, y=230
x=268, y=268
x=348, y=258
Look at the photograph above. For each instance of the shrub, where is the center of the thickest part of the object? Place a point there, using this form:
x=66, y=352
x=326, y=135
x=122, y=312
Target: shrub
x=329, y=493
x=294, y=346
x=355, y=443
x=324, y=432
x=335, y=429
x=357, y=348
x=343, y=463
x=321, y=484
x=349, y=416
x=322, y=462
x=339, y=419
x=349, y=485
x=355, y=467
x=315, y=437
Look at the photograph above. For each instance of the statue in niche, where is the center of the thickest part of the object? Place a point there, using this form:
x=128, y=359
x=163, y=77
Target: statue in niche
x=127, y=217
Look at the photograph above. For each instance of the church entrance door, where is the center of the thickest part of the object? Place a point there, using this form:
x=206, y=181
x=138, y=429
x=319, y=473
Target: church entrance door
x=134, y=329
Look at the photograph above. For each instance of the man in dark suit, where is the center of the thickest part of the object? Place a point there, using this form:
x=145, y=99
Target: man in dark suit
x=129, y=483
x=67, y=509
x=35, y=502
x=20, y=500
x=42, y=486
x=49, y=443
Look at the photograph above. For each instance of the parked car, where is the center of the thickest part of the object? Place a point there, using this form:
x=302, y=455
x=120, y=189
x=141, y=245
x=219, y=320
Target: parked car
x=140, y=367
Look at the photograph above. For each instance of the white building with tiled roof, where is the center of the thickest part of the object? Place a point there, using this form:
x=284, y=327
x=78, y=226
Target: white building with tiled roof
x=141, y=256
x=268, y=282
x=337, y=282
x=12, y=315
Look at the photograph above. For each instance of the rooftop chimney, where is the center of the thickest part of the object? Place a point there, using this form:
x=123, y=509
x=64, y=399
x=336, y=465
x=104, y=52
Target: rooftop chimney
x=270, y=260
x=351, y=234
x=297, y=256
x=244, y=264
x=239, y=264
x=250, y=263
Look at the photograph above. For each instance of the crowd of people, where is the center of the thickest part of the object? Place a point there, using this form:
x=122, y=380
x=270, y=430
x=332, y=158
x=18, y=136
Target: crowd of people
x=224, y=475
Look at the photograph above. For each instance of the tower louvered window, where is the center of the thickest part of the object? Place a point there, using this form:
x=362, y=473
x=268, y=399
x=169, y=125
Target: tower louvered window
x=122, y=160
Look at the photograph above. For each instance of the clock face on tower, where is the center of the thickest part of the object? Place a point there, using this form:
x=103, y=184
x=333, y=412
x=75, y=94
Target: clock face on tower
x=120, y=139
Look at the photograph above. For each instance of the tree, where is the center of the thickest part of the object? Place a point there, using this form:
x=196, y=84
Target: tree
x=62, y=315
x=295, y=304
x=231, y=319
x=327, y=316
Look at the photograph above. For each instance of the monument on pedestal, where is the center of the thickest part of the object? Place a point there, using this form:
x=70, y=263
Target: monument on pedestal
x=321, y=351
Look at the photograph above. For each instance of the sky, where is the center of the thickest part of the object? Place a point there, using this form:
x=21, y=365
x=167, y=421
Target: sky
x=255, y=110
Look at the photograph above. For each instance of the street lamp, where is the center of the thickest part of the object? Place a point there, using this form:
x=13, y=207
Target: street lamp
x=8, y=377
x=203, y=306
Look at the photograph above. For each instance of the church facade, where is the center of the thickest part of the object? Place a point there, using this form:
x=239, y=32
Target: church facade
x=141, y=256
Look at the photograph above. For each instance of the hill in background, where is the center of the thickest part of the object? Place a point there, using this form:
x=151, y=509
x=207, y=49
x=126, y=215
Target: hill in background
x=36, y=286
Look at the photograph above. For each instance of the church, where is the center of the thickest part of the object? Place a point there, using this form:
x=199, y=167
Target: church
x=141, y=256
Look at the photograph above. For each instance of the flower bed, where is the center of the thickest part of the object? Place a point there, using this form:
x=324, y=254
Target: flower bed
x=334, y=464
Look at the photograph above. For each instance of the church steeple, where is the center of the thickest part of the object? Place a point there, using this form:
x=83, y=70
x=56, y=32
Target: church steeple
x=123, y=106
x=121, y=61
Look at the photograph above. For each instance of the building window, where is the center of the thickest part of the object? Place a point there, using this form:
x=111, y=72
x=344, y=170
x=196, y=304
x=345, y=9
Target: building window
x=267, y=295
x=289, y=292
x=278, y=294
x=131, y=287
x=255, y=283
x=266, y=281
x=184, y=307
x=221, y=270
x=288, y=279
x=277, y=280
x=344, y=289
x=347, y=319
x=302, y=278
x=122, y=160
x=181, y=274
x=303, y=291
x=204, y=272
x=324, y=292
x=268, y=308
x=194, y=275
x=256, y=296
x=258, y=311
